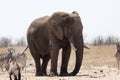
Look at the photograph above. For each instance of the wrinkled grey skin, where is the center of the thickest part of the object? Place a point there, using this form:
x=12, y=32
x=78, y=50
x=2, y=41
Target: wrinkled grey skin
x=47, y=35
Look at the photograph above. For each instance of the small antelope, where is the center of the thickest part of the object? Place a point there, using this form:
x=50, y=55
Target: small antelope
x=13, y=69
x=117, y=55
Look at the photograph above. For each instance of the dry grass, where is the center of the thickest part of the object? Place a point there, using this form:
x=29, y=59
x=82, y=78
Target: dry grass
x=100, y=56
x=99, y=63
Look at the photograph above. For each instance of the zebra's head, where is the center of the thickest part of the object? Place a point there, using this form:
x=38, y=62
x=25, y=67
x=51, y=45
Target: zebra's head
x=11, y=50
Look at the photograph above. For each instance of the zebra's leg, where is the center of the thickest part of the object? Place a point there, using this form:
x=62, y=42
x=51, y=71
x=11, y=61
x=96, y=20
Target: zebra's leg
x=1, y=65
x=10, y=76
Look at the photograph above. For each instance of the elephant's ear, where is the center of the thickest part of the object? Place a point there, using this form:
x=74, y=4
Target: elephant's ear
x=57, y=30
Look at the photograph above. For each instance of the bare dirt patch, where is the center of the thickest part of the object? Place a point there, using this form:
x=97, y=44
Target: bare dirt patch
x=99, y=63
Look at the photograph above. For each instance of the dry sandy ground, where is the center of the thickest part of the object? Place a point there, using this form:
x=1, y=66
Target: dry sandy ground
x=98, y=64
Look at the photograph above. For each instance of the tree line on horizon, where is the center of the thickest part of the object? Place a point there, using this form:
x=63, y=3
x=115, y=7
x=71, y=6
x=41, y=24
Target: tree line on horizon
x=97, y=41
x=108, y=40
x=5, y=42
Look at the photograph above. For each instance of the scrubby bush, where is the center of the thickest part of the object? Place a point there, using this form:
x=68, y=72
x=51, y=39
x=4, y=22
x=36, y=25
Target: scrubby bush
x=21, y=42
x=5, y=42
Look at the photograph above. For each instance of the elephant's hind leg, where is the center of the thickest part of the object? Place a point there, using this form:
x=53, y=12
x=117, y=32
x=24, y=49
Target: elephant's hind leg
x=45, y=63
x=36, y=57
x=38, y=67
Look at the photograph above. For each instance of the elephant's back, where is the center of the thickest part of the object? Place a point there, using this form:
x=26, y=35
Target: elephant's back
x=37, y=23
x=40, y=20
x=37, y=35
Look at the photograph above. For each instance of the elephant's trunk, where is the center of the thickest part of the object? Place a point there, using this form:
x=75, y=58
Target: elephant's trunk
x=79, y=57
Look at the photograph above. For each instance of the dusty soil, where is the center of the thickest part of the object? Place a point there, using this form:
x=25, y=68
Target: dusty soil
x=99, y=63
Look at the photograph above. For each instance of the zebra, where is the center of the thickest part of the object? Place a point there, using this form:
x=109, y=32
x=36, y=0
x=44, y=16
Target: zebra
x=117, y=55
x=21, y=58
x=13, y=69
x=4, y=57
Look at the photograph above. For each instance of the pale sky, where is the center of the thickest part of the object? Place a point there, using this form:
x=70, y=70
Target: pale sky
x=99, y=17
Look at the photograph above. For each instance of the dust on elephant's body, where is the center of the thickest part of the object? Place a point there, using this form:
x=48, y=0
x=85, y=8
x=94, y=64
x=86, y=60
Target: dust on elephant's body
x=46, y=35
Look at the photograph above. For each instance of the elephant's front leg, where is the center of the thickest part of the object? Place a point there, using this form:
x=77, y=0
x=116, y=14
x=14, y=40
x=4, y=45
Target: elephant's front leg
x=65, y=59
x=54, y=59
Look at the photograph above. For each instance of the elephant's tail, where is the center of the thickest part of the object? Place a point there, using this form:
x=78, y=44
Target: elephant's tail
x=25, y=49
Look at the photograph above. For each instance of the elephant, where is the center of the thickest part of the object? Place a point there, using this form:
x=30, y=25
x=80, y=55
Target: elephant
x=48, y=34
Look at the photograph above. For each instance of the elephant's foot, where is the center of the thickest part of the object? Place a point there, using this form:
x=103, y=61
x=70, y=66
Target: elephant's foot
x=71, y=74
x=39, y=74
x=44, y=74
x=52, y=74
x=66, y=74
x=63, y=73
